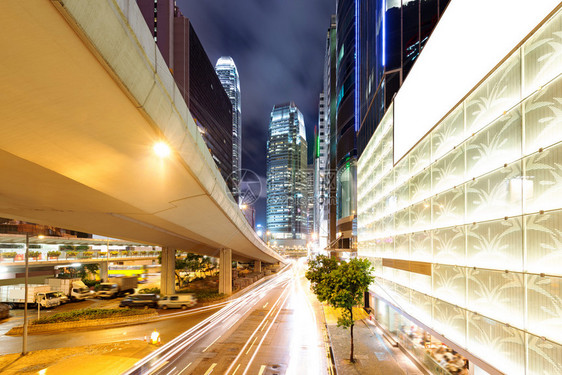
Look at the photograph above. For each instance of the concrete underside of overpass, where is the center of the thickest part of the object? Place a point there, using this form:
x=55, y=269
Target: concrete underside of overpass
x=85, y=94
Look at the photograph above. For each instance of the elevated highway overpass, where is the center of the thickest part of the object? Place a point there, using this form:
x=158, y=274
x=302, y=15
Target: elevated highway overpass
x=85, y=95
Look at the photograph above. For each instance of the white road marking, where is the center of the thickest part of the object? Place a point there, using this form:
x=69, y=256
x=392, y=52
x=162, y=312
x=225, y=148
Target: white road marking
x=250, y=348
x=262, y=369
x=236, y=369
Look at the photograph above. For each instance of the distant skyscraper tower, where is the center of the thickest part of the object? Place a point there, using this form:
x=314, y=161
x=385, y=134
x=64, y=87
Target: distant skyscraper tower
x=287, y=188
x=228, y=75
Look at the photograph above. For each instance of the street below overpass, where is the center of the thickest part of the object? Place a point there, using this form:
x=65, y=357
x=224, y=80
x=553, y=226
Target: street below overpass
x=274, y=329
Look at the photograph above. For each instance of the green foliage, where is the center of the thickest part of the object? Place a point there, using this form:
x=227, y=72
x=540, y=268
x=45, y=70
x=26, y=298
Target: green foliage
x=34, y=254
x=53, y=254
x=149, y=291
x=88, y=314
x=91, y=283
x=87, y=254
x=319, y=270
x=34, y=246
x=342, y=285
x=71, y=253
x=9, y=254
x=66, y=247
x=82, y=247
x=114, y=253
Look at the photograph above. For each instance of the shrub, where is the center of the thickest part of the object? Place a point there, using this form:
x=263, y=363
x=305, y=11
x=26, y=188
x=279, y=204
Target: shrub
x=53, y=254
x=71, y=253
x=9, y=254
x=87, y=254
x=88, y=314
x=135, y=253
x=66, y=247
x=114, y=253
x=34, y=254
x=91, y=283
x=82, y=247
x=149, y=291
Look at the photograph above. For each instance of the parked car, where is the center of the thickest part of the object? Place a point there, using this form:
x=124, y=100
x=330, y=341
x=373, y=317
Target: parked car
x=177, y=301
x=63, y=297
x=140, y=300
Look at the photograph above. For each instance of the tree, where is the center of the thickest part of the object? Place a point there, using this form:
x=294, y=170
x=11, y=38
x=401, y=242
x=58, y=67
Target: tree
x=342, y=285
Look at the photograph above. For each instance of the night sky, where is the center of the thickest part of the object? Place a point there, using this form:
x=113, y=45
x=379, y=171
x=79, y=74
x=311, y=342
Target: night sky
x=278, y=48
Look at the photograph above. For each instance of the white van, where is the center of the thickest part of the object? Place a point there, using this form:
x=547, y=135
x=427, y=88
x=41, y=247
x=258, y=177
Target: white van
x=177, y=301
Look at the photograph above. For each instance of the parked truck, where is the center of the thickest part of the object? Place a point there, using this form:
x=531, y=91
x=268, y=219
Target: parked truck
x=14, y=295
x=117, y=286
x=74, y=289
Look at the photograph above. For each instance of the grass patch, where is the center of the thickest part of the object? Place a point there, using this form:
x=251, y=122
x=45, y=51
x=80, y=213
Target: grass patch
x=88, y=314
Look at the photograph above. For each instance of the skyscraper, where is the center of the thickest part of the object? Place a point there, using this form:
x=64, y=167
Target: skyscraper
x=321, y=177
x=195, y=77
x=347, y=123
x=228, y=75
x=391, y=38
x=287, y=178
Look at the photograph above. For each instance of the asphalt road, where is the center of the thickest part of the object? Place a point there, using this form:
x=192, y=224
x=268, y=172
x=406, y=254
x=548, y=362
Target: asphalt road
x=271, y=330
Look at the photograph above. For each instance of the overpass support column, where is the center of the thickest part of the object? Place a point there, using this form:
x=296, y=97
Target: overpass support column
x=104, y=271
x=257, y=266
x=225, y=271
x=167, y=275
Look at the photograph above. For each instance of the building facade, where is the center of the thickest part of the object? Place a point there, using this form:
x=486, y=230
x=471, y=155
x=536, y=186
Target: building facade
x=459, y=194
x=287, y=189
x=230, y=80
x=195, y=77
x=347, y=122
x=391, y=37
x=321, y=181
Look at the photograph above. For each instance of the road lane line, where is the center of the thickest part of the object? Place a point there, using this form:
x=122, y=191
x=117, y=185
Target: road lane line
x=172, y=370
x=265, y=335
x=250, y=348
x=171, y=349
x=236, y=369
x=215, y=340
x=257, y=329
x=264, y=325
x=185, y=368
x=262, y=369
x=210, y=369
x=264, y=306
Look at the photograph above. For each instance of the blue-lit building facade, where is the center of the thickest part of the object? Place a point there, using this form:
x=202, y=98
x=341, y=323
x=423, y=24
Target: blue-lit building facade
x=287, y=179
x=392, y=34
x=345, y=165
x=230, y=80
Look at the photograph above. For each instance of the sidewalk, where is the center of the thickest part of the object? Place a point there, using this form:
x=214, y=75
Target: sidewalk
x=373, y=355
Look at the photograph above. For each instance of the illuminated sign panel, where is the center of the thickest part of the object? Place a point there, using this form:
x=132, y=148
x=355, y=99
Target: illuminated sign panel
x=453, y=62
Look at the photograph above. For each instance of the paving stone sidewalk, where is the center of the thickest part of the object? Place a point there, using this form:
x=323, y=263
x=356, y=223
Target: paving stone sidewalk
x=374, y=356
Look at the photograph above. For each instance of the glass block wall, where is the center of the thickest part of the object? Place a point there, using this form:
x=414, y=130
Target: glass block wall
x=478, y=202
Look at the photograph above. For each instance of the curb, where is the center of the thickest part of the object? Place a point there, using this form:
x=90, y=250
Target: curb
x=54, y=327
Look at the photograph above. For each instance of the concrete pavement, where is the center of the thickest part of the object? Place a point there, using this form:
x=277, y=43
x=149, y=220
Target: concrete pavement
x=373, y=355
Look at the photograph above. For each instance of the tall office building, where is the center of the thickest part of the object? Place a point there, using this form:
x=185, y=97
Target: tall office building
x=310, y=201
x=195, y=77
x=228, y=75
x=460, y=199
x=347, y=124
x=330, y=99
x=391, y=37
x=287, y=178
x=321, y=177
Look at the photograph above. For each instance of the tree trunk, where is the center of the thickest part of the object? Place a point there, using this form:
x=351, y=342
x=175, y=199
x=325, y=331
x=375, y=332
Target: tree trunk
x=351, y=359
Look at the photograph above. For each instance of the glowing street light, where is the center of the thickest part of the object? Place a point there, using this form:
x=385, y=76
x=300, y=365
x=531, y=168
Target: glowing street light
x=161, y=149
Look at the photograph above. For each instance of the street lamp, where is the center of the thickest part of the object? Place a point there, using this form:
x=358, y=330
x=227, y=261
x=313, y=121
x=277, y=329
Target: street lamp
x=24, y=343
